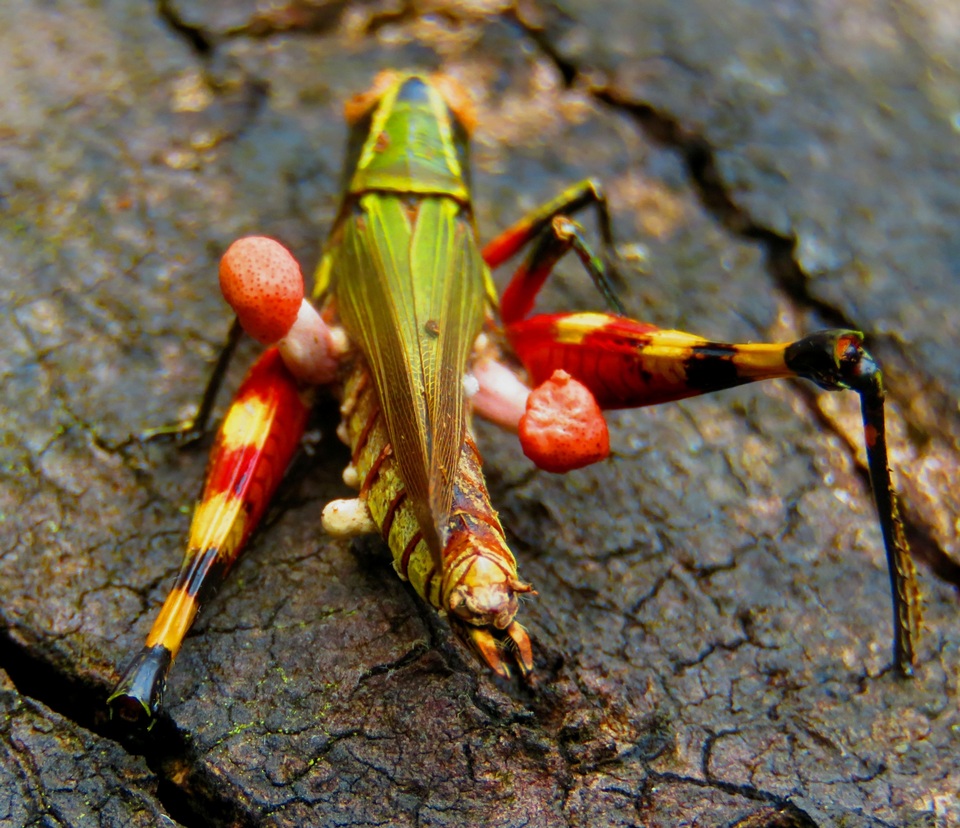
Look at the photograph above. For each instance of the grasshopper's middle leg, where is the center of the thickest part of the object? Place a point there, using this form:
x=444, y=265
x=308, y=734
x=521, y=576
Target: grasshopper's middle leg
x=553, y=235
x=502, y=396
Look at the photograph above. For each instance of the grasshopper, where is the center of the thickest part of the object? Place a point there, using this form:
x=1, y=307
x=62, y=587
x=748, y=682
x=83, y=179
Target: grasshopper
x=406, y=327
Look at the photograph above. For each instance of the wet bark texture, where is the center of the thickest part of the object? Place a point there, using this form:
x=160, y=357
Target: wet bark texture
x=713, y=620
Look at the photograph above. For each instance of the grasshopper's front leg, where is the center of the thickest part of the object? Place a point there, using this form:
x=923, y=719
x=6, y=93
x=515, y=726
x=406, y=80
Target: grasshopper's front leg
x=253, y=448
x=610, y=361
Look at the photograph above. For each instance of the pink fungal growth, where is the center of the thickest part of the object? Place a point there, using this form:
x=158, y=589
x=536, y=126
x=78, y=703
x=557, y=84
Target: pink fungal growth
x=500, y=396
x=563, y=428
x=262, y=282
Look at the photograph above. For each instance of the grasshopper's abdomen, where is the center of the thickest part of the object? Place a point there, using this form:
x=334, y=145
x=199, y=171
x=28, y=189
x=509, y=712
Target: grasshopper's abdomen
x=475, y=580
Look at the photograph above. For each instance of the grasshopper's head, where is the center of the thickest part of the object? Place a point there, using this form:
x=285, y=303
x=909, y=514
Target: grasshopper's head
x=410, y=133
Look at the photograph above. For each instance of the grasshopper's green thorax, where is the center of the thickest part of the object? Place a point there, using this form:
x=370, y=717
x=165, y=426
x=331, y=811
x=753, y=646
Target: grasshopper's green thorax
x=408, y=141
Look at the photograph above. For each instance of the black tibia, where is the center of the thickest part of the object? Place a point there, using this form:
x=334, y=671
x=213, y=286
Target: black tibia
x=554, y=234
x=138, y=696
x=562, y=235
x=836, y=359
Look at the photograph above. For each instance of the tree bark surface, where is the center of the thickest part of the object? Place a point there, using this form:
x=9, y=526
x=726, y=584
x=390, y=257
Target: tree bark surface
x=712, y=626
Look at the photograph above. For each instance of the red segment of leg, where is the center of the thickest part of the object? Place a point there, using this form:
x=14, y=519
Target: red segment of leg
x=607, y=359
x=507, y=244
x=519, y=296
x=255, y=444
x=563, y=428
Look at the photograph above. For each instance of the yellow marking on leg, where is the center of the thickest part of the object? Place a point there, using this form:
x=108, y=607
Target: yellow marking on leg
x=572, y=329
x=762, y=361
x=247, y=423
x=678, y=344
x=218, y=523
x=174, y=621
x=664, y=357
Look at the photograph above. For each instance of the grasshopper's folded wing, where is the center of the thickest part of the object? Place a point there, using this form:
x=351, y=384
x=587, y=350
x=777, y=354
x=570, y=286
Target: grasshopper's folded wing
x=410, y=292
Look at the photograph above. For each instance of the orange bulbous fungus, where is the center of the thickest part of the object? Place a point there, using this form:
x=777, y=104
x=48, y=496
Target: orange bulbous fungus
x=262, y=282
x=563, y=428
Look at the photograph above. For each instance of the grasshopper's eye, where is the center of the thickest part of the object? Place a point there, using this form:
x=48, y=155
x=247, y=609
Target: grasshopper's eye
x=359, y=105
x=459, y=100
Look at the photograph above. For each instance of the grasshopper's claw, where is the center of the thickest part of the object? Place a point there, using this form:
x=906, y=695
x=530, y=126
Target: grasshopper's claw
x=138, y=696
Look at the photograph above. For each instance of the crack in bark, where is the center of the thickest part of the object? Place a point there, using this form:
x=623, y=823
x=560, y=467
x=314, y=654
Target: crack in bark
x=194, y=36
x=746, y=791
x=254, y=91
x=184, y=789
x=413, y=655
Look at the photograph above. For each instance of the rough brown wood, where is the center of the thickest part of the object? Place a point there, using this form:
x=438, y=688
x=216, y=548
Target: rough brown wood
x=712, y=626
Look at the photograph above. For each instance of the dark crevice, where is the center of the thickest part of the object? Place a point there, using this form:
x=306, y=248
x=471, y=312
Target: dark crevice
x=194, y=36
x=64, y=692
x=291, y=18
x=786, y=816
x=413, y=655
x=701, y=165
x=242, y=95
x=798, y=816
x=405, y=12
x=662, y=129
x=568, y=69
x=925, y=548
x=188, y=796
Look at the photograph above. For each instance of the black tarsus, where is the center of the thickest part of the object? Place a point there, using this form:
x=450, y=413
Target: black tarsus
x=834, y=360
x=138, y=696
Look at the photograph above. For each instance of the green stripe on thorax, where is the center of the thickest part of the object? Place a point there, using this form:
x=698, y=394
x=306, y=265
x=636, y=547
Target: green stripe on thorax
x=410, y=147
